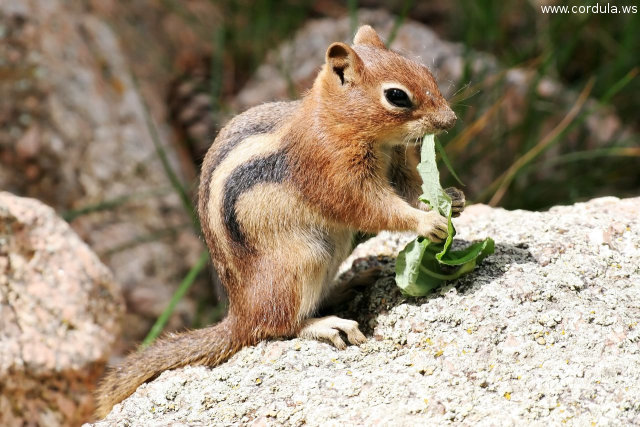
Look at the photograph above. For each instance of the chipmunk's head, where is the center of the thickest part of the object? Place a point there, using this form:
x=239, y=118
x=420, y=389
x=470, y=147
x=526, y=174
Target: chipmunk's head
x=379, y=91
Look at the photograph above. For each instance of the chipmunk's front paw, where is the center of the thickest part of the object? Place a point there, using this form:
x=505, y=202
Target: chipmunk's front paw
x=328, y=328
x=433, y=226
x=457, y=200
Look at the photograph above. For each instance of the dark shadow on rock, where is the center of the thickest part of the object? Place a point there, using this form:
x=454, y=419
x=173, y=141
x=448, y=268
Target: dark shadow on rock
x=493, y=267
x=371, y=287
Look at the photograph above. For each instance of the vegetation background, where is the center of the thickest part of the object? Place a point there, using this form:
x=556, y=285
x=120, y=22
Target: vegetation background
x=572, y=49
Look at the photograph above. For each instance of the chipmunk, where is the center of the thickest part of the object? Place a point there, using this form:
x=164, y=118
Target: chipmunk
x=285, y=185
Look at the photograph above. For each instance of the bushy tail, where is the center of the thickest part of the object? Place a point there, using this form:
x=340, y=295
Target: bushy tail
x=209, y=346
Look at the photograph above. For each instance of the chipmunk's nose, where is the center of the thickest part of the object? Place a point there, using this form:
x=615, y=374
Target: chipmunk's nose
x=445, y=119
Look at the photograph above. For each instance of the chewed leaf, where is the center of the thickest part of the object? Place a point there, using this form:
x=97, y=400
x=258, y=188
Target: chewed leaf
x=468, y=254
x=417, y=271
x=432, y=192
x=408, y=266
x=423, y=265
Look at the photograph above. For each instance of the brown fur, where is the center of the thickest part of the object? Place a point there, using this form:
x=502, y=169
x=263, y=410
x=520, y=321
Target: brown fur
x=283, y=188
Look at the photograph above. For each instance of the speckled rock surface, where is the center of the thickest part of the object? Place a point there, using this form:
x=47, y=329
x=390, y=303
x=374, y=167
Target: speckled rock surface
x=59, y=317
x=73, y=134
x=545, y=331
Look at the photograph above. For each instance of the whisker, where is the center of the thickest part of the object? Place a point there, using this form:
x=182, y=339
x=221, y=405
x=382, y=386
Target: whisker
x=463, y=87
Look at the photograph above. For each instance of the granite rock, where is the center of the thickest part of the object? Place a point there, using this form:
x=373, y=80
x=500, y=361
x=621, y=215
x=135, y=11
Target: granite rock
x=60, y=312
x=544, y=331
x=74, y=134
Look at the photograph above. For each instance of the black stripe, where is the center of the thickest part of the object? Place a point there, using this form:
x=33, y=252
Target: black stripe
x=270, y=169
x=235, y=137
x=255, y=121
x=239, y=134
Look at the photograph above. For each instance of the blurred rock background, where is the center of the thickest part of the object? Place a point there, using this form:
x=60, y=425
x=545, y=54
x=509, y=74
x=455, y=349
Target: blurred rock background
x=60, y=315
x=107, y=108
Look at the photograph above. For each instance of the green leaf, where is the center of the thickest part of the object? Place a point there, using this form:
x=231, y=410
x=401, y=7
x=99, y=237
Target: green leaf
x=175, y=299
x=432, y=192
x=408, y=266
x=423, y=265
x=477, y=251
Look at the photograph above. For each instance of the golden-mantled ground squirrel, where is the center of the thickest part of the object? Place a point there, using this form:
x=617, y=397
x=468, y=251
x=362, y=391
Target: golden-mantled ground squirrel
x=284, y=187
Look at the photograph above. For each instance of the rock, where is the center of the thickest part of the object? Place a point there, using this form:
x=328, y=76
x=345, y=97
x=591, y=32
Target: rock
x=291, y=68
x=73, y=134
x=162, y=42
x=60, y=310
x=470, y=352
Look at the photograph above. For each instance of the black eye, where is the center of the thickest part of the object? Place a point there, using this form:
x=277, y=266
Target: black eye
x=398, y=97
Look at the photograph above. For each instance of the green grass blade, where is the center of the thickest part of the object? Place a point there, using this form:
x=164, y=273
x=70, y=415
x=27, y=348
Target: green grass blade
x=445, y=160
x=146, y=238
x=617, y=87
x=217, y=66
x=504, y=181
x=400, y=18
x=106, y=205
x=578, y=156
x=353, y=15
x=186, y=283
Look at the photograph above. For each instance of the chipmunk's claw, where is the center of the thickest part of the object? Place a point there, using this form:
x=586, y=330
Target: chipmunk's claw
x=458, y=200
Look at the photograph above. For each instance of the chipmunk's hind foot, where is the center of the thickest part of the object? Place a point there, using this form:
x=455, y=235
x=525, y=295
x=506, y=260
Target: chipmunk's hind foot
x=329, y=328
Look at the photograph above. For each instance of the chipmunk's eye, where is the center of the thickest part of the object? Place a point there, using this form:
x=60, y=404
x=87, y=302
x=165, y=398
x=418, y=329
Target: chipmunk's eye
x=398, y=97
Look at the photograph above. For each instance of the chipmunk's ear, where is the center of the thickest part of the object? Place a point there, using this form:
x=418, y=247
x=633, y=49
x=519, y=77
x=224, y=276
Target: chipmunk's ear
x=367, y=35
x=344, y=62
